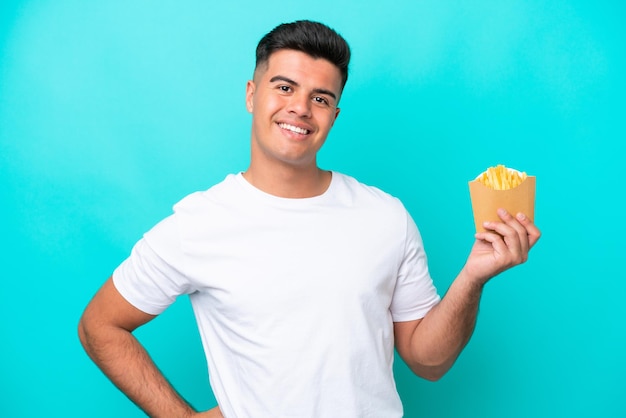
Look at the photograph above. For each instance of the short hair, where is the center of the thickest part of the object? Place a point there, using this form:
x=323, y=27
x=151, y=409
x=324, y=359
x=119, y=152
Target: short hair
x=313, y=38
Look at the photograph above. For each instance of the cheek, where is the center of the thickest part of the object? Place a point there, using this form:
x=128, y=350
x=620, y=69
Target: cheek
x=273, y=103
x=328, y=121
x=263, y=105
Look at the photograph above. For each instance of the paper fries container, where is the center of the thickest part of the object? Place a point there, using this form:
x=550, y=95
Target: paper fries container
x=486, y=201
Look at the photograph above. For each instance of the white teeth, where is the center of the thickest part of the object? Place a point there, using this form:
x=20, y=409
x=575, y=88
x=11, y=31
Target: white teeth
x=293, y=128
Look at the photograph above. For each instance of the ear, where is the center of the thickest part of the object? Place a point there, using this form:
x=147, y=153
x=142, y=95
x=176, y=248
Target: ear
x=337, y=110
x=250, y=87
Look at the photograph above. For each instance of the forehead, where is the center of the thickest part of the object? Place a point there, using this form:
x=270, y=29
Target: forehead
x=302, y=68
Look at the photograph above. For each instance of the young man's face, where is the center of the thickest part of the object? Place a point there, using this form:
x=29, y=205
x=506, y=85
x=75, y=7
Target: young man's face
x=293, y=99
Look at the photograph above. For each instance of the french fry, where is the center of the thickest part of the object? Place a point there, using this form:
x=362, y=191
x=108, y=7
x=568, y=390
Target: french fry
x=501, y=187
x=501, y=178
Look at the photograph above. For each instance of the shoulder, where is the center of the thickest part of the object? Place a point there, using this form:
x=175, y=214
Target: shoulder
x=365, y=193
x=217, y=194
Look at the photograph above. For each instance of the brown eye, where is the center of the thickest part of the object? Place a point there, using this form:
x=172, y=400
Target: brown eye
x=320, y=100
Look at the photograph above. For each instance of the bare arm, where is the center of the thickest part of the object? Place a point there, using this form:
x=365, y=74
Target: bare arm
x=431, y=345
x=105, y=331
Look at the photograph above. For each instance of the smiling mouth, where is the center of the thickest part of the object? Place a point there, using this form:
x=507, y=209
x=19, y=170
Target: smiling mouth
x=294, y=129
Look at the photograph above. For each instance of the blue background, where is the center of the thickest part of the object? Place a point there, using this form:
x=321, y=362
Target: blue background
x=112, y=111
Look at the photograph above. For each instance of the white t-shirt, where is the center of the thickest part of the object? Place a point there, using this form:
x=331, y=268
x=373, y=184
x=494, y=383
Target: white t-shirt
x=295, y=299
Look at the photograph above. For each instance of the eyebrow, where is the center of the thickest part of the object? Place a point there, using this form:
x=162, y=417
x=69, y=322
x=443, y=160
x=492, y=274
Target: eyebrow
x=294, y=83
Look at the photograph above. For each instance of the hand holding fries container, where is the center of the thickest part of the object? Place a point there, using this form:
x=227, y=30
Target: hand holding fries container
x=486, y=201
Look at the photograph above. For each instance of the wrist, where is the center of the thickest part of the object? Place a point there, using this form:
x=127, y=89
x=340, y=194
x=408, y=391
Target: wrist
x=472, y=281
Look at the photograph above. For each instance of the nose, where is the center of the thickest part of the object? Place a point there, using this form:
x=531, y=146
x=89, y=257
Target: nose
x=300, y=105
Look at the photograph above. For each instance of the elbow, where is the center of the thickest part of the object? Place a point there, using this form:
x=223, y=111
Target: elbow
x=87, y=333
x=431, y=372
x=433, y=375
x=82, y=333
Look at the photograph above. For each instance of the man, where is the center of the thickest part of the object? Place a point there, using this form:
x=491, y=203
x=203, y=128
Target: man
x=302, y=280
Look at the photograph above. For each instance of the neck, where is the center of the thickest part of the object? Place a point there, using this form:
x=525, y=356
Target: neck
x=290, y=182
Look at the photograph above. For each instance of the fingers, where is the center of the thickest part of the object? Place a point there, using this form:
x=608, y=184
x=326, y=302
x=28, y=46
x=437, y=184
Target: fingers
x=518, y=239
x=500, y=249
x=533, y=232
x=512, y=238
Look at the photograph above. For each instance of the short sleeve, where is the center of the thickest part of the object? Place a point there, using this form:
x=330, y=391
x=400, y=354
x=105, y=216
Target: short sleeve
x=414, y=294
x=151, y=277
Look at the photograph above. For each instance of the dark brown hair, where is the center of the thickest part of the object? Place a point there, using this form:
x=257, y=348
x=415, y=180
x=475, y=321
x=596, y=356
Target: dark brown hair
x=312, y=38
